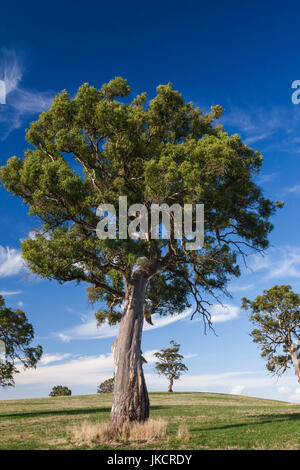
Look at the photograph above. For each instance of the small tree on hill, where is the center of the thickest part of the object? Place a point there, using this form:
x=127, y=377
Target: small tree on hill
x=107, y=386
x=16, y=335
x=276, y=317
x=170, y=363
x=60, y=391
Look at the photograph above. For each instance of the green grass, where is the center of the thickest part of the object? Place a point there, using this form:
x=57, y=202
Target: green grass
x=215, y=421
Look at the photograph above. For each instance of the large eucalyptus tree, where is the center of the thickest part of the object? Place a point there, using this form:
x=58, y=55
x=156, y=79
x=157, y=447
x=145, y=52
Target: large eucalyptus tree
x=98, y=146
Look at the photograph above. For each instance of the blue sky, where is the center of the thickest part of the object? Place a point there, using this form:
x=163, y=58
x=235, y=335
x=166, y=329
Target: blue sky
x=242, y=55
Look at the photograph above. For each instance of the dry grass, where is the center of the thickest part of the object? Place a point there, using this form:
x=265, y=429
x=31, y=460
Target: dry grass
x=86, y=433
x=150, y=431
x=183, y=432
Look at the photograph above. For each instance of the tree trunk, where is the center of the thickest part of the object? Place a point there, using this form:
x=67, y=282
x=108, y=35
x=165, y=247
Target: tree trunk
x=131, y=402
x=170, y=386
x=295, y=355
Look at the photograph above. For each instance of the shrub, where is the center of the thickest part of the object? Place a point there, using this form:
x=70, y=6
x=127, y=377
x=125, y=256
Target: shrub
x=60, y=391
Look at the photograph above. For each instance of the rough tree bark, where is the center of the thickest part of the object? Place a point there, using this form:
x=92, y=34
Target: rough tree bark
x=295, y=355
x=170, y=385
x=131, y=402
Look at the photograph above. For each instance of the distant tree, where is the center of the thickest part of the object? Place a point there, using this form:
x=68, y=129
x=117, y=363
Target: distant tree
x=276, y=317
x=16, y=335
x=107, y=386
x=170, y=363
x=60, y=391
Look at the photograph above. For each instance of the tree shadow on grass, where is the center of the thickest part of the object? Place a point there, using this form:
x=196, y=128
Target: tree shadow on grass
x=36, y=414
x=269, y=419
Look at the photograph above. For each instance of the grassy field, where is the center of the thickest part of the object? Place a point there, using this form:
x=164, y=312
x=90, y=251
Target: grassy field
x=214, y=421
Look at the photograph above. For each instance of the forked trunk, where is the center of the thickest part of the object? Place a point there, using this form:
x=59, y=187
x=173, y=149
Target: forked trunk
x=131, y=402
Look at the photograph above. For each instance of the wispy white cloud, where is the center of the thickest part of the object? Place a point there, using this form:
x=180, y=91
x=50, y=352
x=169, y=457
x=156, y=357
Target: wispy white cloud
x=223, y=313
x=30, y=102
x=85, y=370
x=257, y=124
x=50, y=358
x=240, y=288
x=88, y=328
x=10, y=70
x=6, y=292
x=149, y=356
x=265, y=178
x=279, y=262
x=11, y=261
x=294, y=189
x=20, y=103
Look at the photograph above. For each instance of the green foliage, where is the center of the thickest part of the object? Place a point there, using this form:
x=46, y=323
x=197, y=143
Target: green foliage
x=107, y=386
x=276, y=317
x=93, y=149
x=170, y=362
x=17, y=334
x=60, y=391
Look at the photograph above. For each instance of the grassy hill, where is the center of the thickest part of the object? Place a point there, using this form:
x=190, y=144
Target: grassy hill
x=214, y=421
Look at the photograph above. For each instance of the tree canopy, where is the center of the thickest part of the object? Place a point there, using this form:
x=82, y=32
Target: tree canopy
x=276, y=318
x=94, y=148
x=16, y=333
